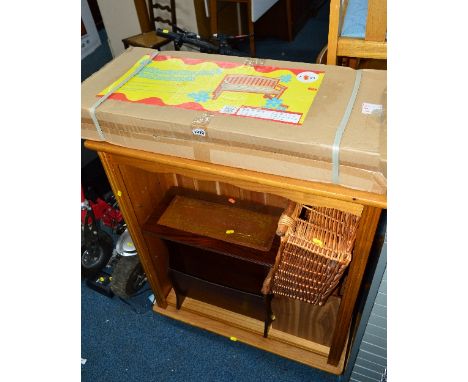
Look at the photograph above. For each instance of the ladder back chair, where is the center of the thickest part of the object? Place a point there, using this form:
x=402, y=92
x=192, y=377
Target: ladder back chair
x=148, y=20
x=357, y=29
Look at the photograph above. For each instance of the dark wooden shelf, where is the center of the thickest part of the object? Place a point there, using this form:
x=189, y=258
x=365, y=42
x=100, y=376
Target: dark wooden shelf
x=201, y=220
x=235, y=300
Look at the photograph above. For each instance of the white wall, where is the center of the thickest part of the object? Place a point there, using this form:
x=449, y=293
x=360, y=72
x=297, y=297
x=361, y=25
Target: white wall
x=185, y=13
x=120, y=20
x=185, y=16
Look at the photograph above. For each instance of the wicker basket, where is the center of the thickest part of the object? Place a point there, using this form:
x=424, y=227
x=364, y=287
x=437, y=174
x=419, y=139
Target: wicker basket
x=315, y=250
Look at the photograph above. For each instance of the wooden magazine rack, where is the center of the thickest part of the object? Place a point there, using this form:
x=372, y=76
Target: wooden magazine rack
x=310, y=334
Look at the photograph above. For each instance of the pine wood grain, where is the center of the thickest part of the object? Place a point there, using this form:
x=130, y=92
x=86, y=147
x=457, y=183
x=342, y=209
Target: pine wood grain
x=275, y=200
x=355, y=47
x=229, y=190
x=144, y=189
x=119, y=188
x=167, y=181
x=156, y=173
x=206, y=186
x=297, y=190
x=186, y=182
x=333, y=31
x=364, y=238
x=376, y=23
x=311, y=322
x=249, y=331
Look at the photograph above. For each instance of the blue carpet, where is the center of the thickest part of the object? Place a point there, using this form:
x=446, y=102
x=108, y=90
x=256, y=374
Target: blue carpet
x=123, y=342
x=305, y=47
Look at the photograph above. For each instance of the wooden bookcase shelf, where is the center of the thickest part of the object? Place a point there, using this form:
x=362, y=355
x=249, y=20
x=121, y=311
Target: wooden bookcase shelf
x=248, y=330
x=220, y=249
x=144, y=184
x=245, y=229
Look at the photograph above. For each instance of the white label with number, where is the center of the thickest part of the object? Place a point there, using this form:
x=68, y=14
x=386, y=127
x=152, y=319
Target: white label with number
x=229, y=109
x=199, y=132
x=371, y=108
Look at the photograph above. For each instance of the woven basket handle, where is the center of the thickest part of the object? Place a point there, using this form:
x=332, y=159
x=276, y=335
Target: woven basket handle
x=286, y=220
x=284, y=223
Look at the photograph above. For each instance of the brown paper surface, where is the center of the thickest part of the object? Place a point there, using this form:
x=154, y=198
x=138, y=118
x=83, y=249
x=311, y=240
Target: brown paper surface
x=302, y=152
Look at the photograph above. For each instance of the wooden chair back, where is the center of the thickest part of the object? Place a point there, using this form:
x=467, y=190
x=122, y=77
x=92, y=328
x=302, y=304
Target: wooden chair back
x=146, y=14
x=373, y=45
x=147, y=20
x=167, y=9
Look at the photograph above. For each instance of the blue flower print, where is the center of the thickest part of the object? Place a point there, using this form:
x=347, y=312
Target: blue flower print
x=285, y=78
x=200, y=96
x=275, y=103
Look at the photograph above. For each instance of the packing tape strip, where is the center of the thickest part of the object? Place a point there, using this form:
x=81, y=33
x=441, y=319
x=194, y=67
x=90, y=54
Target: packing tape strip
x=341, y=128
x=200, y=124
x=93, y=108
x=201, y=152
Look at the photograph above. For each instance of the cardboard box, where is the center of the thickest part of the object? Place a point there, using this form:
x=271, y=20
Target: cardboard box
x=299, y=151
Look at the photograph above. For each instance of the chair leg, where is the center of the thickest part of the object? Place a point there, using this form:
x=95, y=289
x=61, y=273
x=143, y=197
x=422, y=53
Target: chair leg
x=289, y=20
x=353, y=62
x=214, y=16
x=251, y=29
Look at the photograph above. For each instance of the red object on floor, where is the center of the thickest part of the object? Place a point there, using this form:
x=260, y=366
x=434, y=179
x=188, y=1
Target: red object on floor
x=103, y=211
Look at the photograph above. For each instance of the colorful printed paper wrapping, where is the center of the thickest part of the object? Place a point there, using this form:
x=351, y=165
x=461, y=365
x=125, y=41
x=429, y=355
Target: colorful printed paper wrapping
x=255, y=91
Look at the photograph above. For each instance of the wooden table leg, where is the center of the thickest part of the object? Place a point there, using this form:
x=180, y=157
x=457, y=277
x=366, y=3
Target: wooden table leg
x=366, y=231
